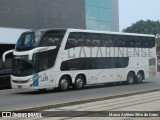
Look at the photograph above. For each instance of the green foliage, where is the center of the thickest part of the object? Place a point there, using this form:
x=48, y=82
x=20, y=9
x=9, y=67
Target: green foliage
x=144, y=27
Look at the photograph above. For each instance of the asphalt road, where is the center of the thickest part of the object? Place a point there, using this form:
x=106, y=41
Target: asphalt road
x=21, y=99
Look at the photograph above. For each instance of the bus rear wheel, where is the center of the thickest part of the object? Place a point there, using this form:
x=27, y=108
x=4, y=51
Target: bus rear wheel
x=79, y=82
x=139, y=78
x=130, y=78
x=64, y=84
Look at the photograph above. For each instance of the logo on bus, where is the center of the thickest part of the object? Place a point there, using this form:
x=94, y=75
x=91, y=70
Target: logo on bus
x=45, y=77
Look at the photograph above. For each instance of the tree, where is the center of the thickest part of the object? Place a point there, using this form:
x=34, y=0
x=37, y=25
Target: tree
x=144, y=27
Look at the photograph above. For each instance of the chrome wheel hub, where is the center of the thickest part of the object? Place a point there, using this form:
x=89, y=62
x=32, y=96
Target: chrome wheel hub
x=139, y=77
x=64, y=84
x=79, y=82
x=131, y=80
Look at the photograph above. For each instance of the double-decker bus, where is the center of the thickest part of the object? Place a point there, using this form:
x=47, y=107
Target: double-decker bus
x=51, y=58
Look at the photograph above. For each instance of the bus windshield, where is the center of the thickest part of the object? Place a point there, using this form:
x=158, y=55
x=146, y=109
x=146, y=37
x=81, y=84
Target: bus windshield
x=29, y=40
x=22, y=66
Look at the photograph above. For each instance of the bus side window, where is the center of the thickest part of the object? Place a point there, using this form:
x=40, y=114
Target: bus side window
x=104, y=42
x=92, y=40
x=75, y=40
x=52, y=38
x=88, y=39
x=51, y=41
x=44, y=41
x=71, y=43
x=96, y=41
x=107, y=41
x=89, y=61
x=118, y=63
x=121, y=41
x=81, y=42
x=113, y=62
x=151, y=42
x=42, y=61
x=57, y=41
x=131, y=41
x=115, y=38
x=138, y=43
x=152, y=62
x=143, y=42
x=88, y=42
x=103, y=63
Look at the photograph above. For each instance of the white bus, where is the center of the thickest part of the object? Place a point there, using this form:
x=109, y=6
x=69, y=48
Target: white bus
x=51, y=58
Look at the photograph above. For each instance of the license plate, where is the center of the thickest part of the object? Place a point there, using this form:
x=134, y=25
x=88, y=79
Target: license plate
x=19, y=86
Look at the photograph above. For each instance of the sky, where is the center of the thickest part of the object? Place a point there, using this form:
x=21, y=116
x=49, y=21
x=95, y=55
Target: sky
x=10, y=33
x=131, y=11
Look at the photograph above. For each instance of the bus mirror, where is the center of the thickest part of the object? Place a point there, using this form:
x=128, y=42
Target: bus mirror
x=5, y=53
x=39, y=49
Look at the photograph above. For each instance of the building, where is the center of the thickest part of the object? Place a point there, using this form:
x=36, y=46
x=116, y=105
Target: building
x=81, y=14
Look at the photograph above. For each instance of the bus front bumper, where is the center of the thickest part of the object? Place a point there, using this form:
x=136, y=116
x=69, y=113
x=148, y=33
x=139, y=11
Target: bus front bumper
x=19, y=84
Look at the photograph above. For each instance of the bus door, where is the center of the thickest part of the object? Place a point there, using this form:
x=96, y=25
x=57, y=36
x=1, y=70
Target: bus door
x=41, y=66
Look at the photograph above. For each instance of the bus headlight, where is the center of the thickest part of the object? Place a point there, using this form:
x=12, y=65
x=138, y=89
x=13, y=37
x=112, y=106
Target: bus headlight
x=30, y=80
x=35, y=78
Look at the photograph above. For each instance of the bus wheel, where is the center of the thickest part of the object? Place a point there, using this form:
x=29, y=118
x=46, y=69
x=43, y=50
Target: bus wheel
x=79, y=82
x=139, y=78
x=64, y=84
x=130, y=78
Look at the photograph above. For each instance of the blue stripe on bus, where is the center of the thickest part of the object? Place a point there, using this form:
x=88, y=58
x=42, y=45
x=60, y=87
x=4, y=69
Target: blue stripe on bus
x=35, y=80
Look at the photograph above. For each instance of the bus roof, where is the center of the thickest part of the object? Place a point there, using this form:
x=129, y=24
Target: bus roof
x=109, y=32
x=50, y=29
x=95, y=31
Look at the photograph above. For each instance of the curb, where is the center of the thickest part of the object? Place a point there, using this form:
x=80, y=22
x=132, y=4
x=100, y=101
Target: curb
x=51, y=106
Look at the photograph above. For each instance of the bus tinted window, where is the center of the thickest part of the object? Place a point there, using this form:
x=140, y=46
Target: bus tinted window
x=93, y=40
x=151, y=41
x=145, y=42
x=108, y=40
x=28, y=40
x=45, y=59
x=152, y=62
x=94, y=63
x=121, y=42
x=52, y=38
x=75, y=40
x=131, y=41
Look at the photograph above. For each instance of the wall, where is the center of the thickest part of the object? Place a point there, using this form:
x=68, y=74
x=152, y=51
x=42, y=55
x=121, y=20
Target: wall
x=115, y=15
x=36, y=14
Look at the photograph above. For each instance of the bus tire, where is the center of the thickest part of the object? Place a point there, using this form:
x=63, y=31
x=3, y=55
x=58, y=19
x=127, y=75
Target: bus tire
x=79, y=82
x=64, y=83
x=130, y=78
x=139, y=78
